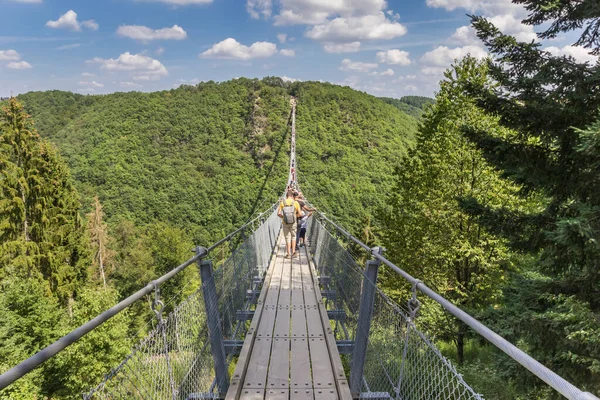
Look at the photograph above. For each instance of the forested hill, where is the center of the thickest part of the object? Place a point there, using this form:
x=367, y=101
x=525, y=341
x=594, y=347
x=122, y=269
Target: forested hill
x=205, y=157
x=411, y=105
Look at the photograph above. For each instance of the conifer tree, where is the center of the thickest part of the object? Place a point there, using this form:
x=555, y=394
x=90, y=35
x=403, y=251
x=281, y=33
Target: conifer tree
x=41, y=232
x=551, y=103
x=427, y=233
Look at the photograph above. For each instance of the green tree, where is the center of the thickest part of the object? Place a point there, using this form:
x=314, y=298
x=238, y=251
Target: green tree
x=566, y=15
x=29, y=321
x=41, y=233
x=426, y=232
x=551, y=104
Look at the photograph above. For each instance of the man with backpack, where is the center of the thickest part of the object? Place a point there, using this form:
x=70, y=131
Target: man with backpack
x=289, y=211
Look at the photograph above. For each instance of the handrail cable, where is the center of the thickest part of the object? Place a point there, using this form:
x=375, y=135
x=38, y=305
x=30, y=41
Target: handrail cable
x=535, y=367
x=51, y=350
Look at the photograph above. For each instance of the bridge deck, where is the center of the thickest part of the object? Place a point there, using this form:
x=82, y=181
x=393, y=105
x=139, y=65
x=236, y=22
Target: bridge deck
x=289, y=351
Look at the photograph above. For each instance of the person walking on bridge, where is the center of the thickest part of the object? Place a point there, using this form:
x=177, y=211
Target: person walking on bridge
x=289, y=211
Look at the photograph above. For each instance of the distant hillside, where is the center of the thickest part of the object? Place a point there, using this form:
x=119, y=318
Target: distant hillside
x=205, y=157
x=349, y=144
x=411, y=105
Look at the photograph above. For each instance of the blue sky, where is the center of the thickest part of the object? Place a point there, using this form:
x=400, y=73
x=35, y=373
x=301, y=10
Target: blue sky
x=387, y=48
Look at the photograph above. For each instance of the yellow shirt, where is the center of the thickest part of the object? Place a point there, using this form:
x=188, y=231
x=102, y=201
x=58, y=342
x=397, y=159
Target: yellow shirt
x=287, y=203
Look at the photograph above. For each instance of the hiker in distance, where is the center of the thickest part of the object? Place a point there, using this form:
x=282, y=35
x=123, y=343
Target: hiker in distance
x=289, y=211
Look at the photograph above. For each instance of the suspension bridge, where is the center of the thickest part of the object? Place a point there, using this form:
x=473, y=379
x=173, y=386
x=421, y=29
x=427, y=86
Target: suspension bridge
x=312, y=327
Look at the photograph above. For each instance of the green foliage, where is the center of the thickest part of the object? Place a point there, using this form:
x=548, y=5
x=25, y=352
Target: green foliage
x=552, y=106
x=566, y=16
x=29, y=321
x=426, y=231
x=348, y=145
x=40, y=230
x=203, y=158
x=411, y=105
x=83, y=364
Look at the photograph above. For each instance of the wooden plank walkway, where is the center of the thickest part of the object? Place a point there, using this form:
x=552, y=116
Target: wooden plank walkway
x=289, y=352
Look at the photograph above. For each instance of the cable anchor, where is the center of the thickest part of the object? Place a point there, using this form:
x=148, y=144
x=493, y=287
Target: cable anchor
x=413, y=303
x=157, y=305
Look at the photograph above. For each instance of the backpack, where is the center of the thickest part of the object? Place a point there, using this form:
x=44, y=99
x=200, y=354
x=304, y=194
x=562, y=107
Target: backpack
x=289, y=213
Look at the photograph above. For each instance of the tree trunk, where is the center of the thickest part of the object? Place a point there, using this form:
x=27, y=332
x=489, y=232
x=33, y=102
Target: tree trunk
x=25, y=222
x=460, y=343
x=101, y=263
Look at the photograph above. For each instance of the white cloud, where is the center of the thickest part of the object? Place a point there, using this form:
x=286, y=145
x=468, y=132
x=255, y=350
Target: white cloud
x=410, y=88
x=287, y=52
x=433, y=70
x=159, y=51
x=282, y=37
x=394, y=57
x=232, y=49
x=137, y=63
x=69, y=21
x=404, y=78
x=130, y=85
x=486, y=7
x=139, y=32
x=580, y=54
x=27, y=1
x=288, y=79
x=510, y=25
x=18, y=65
x=181, y=2
x=91, y=24
x=69, y=46
x=443, y=56
x=9, y=55
x=146, y=78
x=388, y=72
x=349, y=29
x=464, y=35
x=193, y=81
x=352, y=47
x=66, y=21
x=349, y=65
x=90, y=84
x=317, y=12
x=256, y=8
x=88, y=75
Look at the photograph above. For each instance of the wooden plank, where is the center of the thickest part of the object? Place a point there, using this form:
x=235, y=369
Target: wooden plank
x=321, y=365
x=282, y=322
x=306, y=394
x=285, y=298
x=300, y=376
x=252, y=394
x=298, y=322
x=274, y=394
x=326, y=394
x=256, y=374
x=286, y=274
x=296, y=279
x=297, y=297
x=343, y=389
x=310, y=298
x=279, y=366
x=267, y=322
x=236, y=385
x=313, y=322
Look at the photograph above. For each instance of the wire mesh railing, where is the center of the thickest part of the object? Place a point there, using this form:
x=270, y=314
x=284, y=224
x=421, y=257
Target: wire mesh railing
x=175, y=360
x=400, y=361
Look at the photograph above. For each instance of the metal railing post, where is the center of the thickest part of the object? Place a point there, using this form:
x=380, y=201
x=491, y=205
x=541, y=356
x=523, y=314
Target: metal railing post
x=217, y=347
x=363, y=328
